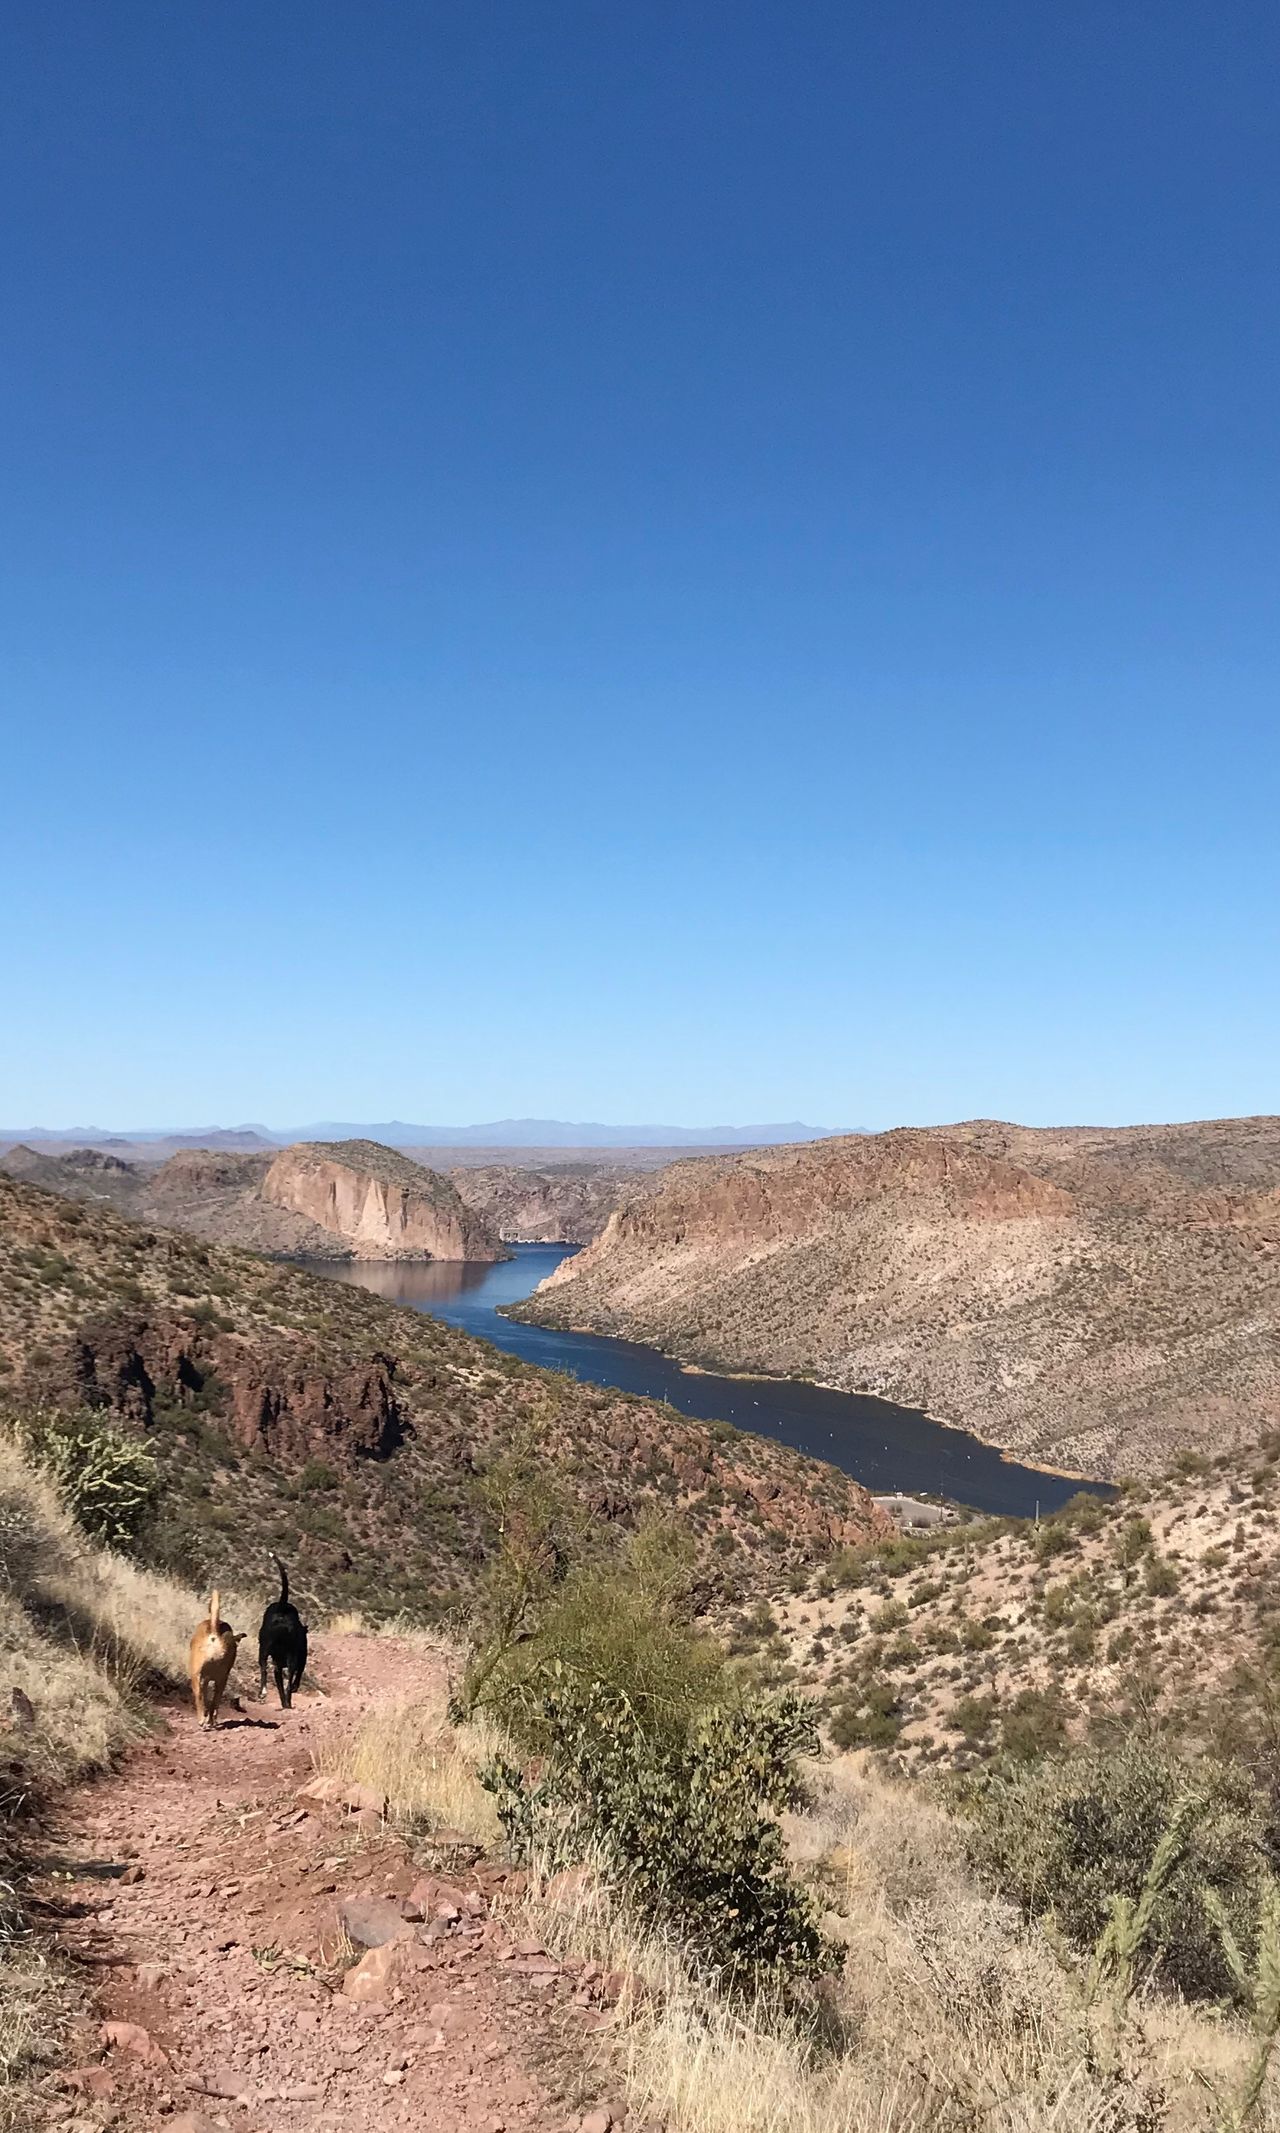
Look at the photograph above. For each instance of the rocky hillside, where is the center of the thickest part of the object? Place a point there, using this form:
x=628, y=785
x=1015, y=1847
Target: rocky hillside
x=1010, y=1636
x=335, y=1200
x=559, y=1203
x=1093, y=1300
x=288, y=1411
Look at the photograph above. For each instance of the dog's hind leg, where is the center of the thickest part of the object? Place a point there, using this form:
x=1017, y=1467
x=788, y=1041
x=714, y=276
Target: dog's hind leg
x=262, y=1677
x=281, y=1690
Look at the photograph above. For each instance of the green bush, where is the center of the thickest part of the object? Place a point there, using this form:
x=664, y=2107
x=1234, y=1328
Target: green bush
x=623, y=1626
x=685, y=1821
x=317, y=1478
x=1033, y=1726
x=1067, y=1837
x=107, y=1479
x=974, y=1716
x=867, y=1719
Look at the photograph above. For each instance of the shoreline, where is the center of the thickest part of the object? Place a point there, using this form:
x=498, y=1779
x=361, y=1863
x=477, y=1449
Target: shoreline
x=769, y=1377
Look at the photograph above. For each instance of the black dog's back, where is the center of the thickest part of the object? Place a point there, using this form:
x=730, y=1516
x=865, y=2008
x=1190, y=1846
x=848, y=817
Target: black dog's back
x=282, y=1643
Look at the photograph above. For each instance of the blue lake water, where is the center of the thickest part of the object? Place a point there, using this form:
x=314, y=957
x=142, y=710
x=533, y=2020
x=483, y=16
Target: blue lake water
x=884, y=1446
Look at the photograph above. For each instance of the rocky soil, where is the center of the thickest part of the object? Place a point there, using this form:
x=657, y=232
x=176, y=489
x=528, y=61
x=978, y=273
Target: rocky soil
x=259, y=1951
x=1089, y=1299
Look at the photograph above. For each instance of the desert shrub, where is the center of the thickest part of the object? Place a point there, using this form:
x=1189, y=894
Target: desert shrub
x=316, y=1478
x=1085, y=1511
x=974, y=1716
x=1187, y=1463
x=1135, y=1541
x=685, y=1821
x=623, y=1626
x=867, y=1719
x=1068, y=1837
x=106, y=1478
x=1161, y=1577
x=1051, y=1539
x=1034, y=1725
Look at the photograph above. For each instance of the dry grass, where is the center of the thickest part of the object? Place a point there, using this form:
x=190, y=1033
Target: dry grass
x=81, y=1632
x=34, y=2005
x=948, y=2013
x=425, y=1768
x=405, y=1628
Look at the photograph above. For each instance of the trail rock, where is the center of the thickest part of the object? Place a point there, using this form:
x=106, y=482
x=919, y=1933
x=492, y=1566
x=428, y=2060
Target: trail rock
x=92, y=2081
x=132, y=2038
x=375, y=1973
x=371, y=1921
x=357, y=1799
x=221, y=2081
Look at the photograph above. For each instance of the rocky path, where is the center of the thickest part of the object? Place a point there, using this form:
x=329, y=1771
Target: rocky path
x=219, y=1915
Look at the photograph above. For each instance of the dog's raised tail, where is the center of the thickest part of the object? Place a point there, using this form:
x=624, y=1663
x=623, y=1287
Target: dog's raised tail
x=284, y=1579
x=215, y=1609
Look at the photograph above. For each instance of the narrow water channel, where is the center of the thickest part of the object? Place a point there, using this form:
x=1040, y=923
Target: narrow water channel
x=882, y=1445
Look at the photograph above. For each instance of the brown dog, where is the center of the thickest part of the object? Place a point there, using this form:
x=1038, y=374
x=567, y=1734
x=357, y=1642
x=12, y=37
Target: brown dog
x=213, y=1651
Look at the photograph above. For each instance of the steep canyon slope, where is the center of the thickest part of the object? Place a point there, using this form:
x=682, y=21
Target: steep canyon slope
x=291, y=1412
x=1094, y=1299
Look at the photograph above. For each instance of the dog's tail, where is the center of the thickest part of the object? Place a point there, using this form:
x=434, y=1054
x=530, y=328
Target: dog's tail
x=215, y=1609
x=284, y=1579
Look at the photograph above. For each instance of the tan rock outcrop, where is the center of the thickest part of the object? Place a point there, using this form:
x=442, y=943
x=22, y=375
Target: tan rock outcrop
x=379, y=1203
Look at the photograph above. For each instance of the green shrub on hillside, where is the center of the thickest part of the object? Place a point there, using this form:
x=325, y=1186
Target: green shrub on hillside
x=107, y=1479
x=651, y=1753
x=1068, y=1837
x=624, y=1625
x=684, y=1820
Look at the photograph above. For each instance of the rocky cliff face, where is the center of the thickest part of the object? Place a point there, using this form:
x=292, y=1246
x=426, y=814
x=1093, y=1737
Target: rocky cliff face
x=345, y=1200
x=377, y=1202
x=559, y=1203
x=1093, y=1301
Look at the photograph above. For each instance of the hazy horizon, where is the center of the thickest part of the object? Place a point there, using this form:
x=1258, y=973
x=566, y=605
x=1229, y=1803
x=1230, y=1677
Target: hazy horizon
x=549, y=1133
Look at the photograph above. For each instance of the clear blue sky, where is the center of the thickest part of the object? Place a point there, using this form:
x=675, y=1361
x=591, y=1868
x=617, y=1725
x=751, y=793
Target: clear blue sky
x=660, y=562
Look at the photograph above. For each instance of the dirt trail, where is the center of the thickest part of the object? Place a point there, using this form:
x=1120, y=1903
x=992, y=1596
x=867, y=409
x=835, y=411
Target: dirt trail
x=200, y=1895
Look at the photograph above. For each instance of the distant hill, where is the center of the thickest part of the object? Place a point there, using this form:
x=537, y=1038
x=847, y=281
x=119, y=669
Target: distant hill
x=1095, y=1299
x=397, y=1133
x=556, y=1133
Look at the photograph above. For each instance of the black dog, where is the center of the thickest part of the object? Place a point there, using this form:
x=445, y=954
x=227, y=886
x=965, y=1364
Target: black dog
x=282, y=1643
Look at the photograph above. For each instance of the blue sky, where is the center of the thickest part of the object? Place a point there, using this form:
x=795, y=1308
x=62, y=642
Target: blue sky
x=667, y=562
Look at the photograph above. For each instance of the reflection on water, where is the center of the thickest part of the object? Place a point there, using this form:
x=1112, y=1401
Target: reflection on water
x=885, y=1446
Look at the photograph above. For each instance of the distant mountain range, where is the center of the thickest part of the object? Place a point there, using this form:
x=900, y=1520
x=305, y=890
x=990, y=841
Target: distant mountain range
x=398, y=1133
